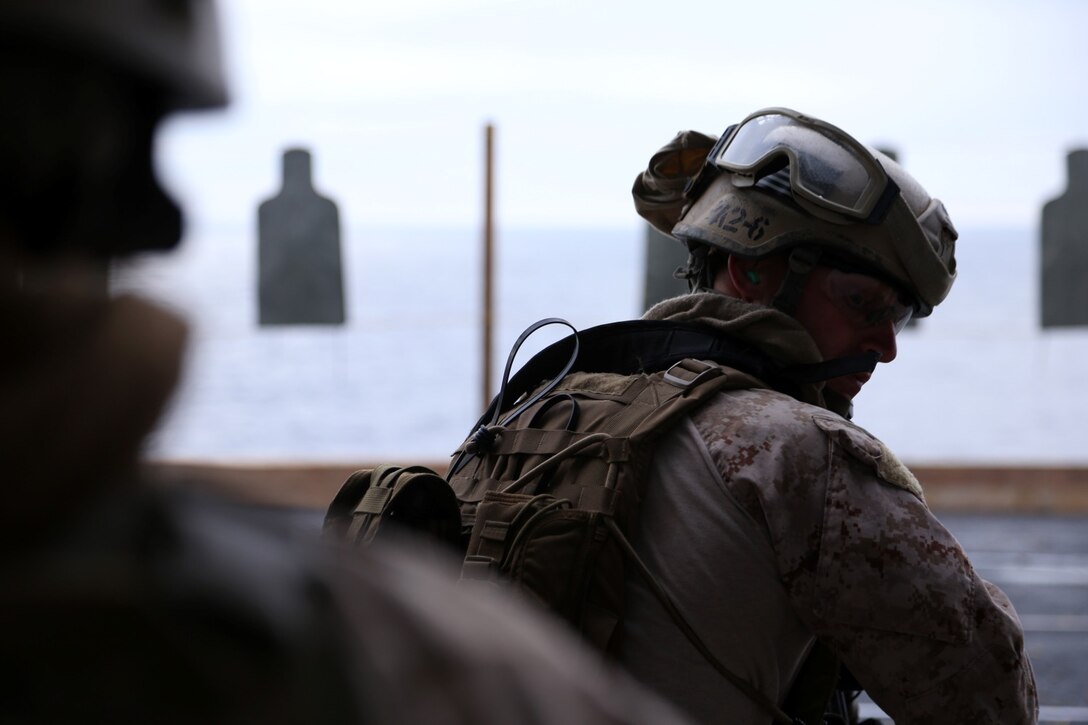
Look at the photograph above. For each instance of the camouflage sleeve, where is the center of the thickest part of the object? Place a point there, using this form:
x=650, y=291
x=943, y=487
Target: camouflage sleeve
x=866, y=565
x=876, y=576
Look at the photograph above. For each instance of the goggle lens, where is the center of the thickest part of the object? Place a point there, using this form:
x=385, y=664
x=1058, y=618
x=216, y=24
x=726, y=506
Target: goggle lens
x=866, y=301
x=834, y=172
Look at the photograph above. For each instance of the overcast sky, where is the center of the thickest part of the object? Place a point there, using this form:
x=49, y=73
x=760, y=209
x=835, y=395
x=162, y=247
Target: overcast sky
x=981, y=99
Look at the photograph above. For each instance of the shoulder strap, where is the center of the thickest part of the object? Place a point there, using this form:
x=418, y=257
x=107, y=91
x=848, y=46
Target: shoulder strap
x=631, y=347
x=623, y=348
x=647, y=346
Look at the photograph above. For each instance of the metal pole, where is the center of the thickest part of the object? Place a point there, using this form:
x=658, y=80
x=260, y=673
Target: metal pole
x=489, y=135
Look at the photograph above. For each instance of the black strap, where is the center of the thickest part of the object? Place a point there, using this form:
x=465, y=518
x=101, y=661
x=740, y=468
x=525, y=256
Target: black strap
x=636, y=346
x=818, y=372
x=645, y=346
x=625, y=348
x=799, y=264
x=497, y=405
x=648, y=346
x=483, y=436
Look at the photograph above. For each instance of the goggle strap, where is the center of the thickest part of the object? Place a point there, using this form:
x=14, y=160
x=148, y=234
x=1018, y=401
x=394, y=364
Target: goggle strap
x=697, y=184
x=884, y=203
x=801, y=262
x=834, y=368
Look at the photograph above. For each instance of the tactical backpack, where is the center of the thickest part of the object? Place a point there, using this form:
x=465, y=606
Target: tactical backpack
x=543, y=496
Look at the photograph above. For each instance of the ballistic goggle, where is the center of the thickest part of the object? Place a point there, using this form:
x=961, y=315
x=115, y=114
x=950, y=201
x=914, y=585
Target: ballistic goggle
x=865, y=300
x=829, y=170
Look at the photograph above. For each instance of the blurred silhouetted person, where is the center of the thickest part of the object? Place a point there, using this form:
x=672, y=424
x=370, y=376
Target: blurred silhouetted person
x=125, y=602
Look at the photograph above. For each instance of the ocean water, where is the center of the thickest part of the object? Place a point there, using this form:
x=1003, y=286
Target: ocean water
x=979, y=382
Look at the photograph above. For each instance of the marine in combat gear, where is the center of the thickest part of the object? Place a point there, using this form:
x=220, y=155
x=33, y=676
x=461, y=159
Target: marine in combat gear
x=780, y=552
x=776, y=522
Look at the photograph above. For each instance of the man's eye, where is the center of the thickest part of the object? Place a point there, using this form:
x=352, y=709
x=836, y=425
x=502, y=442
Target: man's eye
x=878, y=316
x=856, y=300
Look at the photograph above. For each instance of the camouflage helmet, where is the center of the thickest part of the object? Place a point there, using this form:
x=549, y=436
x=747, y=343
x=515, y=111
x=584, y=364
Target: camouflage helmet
x=173, y=44
x=759, y=206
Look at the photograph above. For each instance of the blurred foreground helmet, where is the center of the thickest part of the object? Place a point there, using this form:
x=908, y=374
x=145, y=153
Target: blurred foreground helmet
x=172, y=44
x=782, y=181
x=86, y=84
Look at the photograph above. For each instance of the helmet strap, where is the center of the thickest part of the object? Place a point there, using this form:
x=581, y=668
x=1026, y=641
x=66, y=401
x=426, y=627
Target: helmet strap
x=697, y=271
x=800, y=263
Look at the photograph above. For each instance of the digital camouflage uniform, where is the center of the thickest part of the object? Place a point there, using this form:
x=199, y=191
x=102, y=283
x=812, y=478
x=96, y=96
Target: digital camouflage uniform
x=774, y=520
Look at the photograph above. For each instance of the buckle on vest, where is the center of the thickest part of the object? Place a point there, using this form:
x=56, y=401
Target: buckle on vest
x=480, y=568
x=689, y=372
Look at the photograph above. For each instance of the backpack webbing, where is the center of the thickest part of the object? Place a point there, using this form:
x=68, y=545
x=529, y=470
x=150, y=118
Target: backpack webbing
x=546, y=498
x=552, y=501
x=588, y=443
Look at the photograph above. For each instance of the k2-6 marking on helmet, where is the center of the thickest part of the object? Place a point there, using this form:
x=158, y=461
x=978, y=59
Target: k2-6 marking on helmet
x=730, y=217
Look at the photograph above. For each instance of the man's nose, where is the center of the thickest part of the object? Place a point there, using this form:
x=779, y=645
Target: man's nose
x=880, y=338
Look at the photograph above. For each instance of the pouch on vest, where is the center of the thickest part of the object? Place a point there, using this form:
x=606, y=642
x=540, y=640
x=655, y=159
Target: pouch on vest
x=414, y=498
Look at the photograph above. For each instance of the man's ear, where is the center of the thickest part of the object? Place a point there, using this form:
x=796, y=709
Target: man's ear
x=744, y=277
